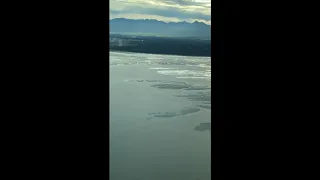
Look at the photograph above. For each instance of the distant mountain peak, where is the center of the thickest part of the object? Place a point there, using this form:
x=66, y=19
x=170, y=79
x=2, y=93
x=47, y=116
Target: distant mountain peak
x=161, y=28
x=155, y=20
x=197, y=22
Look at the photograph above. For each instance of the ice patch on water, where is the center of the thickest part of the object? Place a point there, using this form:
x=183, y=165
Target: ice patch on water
x=161, y=68
x=155, y=58
x=190, y=77
x=204, y=65
x=177, y=72
x=187, y=74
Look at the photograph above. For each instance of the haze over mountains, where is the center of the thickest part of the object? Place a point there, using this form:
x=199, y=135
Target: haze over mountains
x=159, y=28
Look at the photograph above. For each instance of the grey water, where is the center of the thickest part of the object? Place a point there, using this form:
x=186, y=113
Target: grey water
x=160, y=117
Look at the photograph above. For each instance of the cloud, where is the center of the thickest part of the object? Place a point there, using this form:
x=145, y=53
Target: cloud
x=188, y=2
x=165, y=12
x=177, y=10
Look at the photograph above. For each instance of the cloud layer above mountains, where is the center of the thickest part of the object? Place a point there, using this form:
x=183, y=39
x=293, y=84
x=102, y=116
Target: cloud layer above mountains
x=162, y=10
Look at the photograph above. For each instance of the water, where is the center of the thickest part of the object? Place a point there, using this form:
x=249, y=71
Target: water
x=160, y=121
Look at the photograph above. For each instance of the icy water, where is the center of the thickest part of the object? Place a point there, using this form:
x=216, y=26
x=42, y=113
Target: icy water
x=160, y=117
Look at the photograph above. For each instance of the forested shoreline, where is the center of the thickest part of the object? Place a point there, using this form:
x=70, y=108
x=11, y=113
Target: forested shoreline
x=161, y=45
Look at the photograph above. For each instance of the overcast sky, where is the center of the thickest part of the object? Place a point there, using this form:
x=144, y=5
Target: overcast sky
x=163, y=10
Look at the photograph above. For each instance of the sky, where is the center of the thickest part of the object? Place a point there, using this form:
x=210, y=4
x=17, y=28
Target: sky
x=162, y=10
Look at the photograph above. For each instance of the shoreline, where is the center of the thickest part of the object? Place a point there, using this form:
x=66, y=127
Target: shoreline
x=123, y=51
x=160, y=45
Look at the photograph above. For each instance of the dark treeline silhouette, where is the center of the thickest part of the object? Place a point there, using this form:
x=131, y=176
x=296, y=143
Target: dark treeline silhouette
x=161, y=45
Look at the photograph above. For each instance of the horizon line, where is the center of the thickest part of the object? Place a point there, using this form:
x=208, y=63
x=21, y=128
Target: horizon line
x=161, y=21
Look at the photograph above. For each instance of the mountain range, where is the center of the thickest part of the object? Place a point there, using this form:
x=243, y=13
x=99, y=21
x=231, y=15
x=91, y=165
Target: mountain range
x=159, y=28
